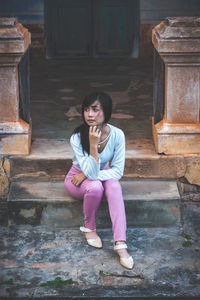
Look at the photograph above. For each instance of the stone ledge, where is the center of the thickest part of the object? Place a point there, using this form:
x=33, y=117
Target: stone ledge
x=151, y=203
x=52, y=159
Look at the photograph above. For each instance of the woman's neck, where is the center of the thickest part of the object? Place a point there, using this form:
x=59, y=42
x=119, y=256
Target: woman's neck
x=105, y=130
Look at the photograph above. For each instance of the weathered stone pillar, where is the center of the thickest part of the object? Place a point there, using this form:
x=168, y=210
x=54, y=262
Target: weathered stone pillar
x=177, y=42
x=15, y=133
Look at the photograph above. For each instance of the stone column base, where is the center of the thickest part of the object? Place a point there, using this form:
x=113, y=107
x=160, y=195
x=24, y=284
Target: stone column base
x=170, y=138
x=15, y=138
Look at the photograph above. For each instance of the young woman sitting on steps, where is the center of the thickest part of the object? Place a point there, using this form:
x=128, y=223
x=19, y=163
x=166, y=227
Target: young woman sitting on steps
x=94, y=144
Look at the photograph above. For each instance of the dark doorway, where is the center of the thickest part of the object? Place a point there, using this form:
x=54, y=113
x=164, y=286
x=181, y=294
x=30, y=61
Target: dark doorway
x=91, y=28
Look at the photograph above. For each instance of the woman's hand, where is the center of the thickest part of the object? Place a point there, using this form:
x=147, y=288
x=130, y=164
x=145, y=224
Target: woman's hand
x=94, y=136
x=78, y=179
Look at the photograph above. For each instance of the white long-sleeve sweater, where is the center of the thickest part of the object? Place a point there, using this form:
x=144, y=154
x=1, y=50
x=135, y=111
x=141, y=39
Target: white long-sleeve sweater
x=114, y=151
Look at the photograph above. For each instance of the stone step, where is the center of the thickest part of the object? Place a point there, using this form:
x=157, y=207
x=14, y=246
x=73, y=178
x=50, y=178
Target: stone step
x=149, y=203
x=51, y=159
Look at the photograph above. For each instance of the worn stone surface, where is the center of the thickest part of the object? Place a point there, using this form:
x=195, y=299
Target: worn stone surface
x=4, y=188
x=148, y=203
x=4, y=177
x=52, y=159
x=16, y=144
x=190, y=218
x=163, y=265
x=182, y=105
x=193, y=171
x=155, y=167
x=173, y=138
x=9, y=94
x=185, y=187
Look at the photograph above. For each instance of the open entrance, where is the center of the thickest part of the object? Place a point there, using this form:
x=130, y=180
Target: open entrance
x=97, y=41
x=59, y=86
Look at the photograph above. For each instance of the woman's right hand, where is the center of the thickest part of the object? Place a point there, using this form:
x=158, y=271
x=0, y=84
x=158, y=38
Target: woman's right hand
x=94, y=136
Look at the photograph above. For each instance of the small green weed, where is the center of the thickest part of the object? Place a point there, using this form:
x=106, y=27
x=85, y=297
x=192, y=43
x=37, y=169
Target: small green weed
x=10, y=281
x=187, y=244
x=188, y=240
x=102, y=272
x=57, y=283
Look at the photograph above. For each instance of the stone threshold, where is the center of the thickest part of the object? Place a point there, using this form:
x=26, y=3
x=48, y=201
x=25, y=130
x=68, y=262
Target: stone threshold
x=52, y=159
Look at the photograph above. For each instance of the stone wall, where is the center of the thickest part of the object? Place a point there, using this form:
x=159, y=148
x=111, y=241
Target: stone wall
x=37, y=40
x=4, y=188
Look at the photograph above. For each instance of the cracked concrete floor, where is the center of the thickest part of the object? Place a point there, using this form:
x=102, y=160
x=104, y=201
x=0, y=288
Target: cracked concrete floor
x=164, y=266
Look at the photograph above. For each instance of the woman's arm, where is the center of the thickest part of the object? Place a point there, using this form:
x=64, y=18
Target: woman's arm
x=94, y=138
x=88, y=164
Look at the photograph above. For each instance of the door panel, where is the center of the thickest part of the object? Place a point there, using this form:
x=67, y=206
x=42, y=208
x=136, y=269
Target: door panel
x=113, y=26
x=69, y=27
x=91, y=28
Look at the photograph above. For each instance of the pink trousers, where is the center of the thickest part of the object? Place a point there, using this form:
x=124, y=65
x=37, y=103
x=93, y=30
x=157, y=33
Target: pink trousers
x=91, y=191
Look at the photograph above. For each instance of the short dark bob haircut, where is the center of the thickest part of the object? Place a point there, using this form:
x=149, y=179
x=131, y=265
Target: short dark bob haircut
x=106, y=103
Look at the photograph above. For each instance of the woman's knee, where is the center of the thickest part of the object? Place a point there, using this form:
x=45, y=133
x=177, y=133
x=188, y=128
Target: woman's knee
x=94, y=186
x=112, y=186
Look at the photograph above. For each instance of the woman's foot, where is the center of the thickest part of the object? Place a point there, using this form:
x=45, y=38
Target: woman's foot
x=92, y=237
x=123, y=253
x=125, y=259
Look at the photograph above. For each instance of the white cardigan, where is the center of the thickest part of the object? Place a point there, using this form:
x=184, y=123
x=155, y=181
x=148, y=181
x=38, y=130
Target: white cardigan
x=114, y=151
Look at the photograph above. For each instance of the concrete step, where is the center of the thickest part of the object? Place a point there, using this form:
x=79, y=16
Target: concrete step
x=51, y=159
x=149, y=203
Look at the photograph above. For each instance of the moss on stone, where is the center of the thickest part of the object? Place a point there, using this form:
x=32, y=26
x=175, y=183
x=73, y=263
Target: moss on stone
x=186, y=236
x=187, y=243
x=9, y=281
x=57, y=283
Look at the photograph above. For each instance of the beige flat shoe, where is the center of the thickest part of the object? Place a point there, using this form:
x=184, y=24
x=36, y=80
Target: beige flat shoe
x=127, y=263
x=96, y=243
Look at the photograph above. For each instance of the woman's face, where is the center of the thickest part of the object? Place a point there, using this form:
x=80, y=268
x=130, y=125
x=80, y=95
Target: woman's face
x=94, y=114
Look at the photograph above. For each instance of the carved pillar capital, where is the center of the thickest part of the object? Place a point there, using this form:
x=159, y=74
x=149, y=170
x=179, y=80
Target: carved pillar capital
x=14, y=41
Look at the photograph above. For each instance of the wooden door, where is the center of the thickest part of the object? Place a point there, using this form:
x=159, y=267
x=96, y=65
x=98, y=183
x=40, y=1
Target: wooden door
x=113, y=23
x=91, y=28
x=68, y=28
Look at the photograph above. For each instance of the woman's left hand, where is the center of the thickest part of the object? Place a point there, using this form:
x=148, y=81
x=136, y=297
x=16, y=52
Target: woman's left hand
x=78, y=179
